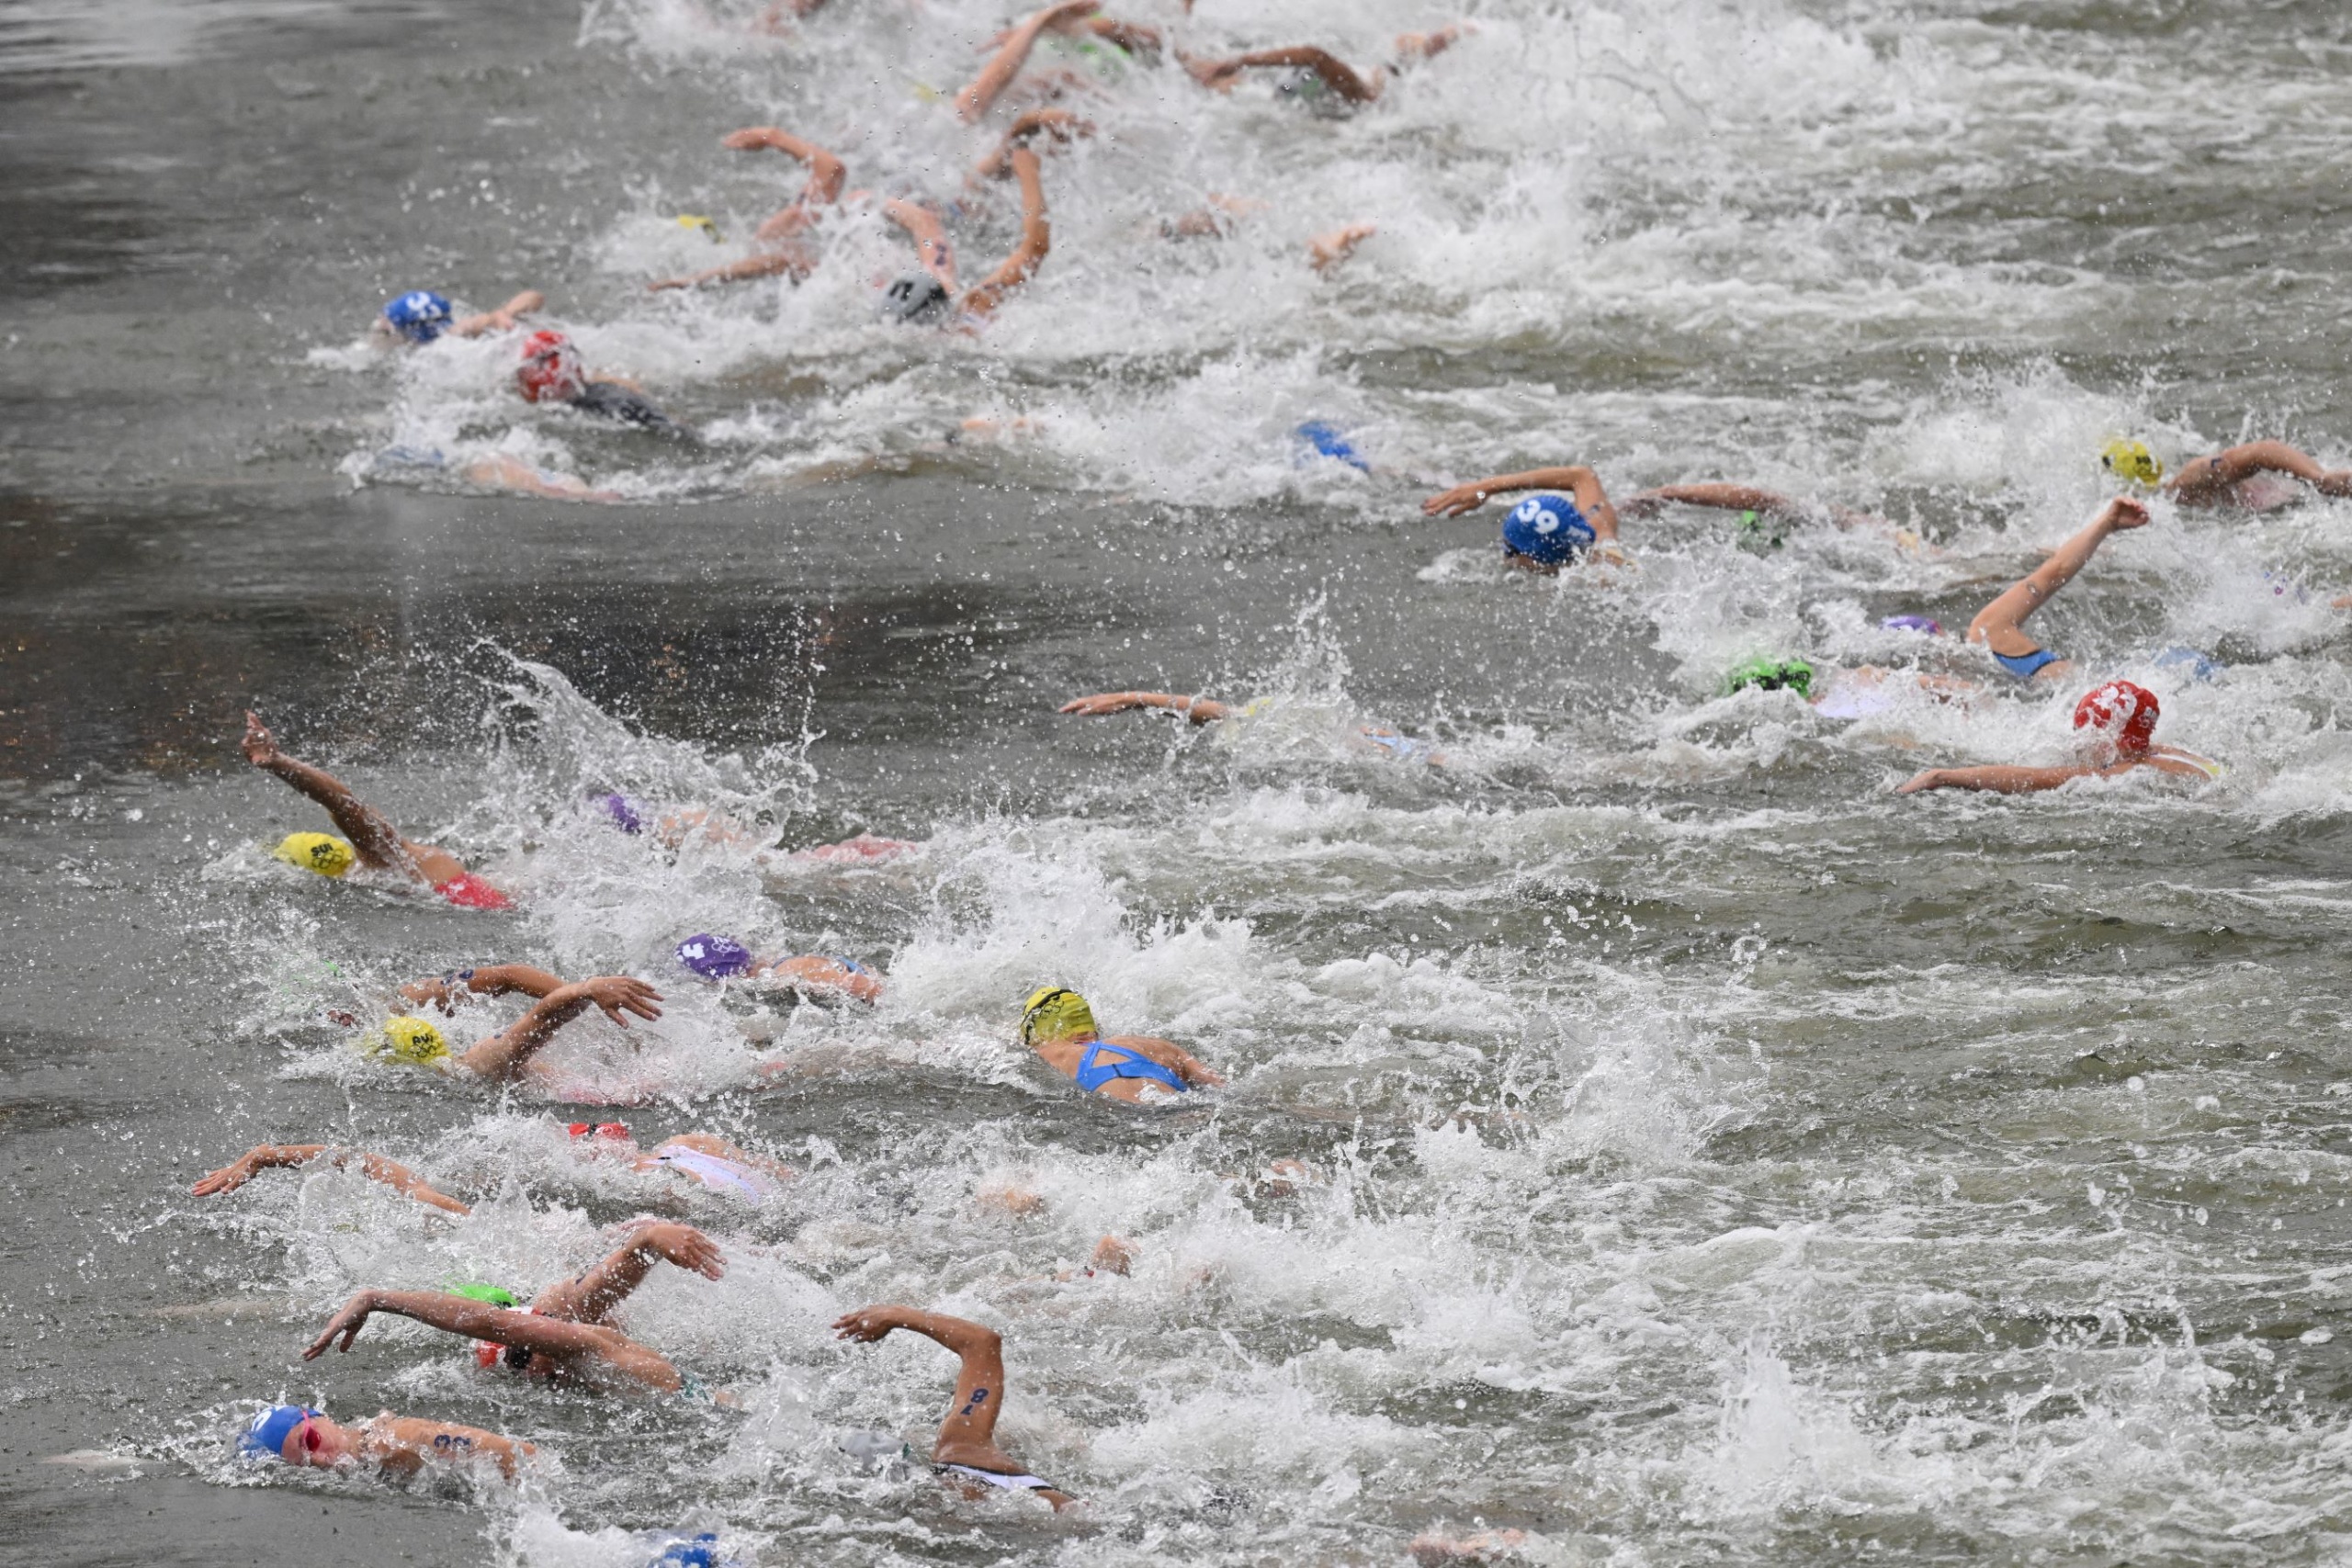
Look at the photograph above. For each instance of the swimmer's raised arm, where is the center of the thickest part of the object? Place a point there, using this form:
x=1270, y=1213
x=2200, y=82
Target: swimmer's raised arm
x=1579, y=481
x=968, y=1436
x=930, y=235
x=998, y=74
x=1036, y=238
x=1059, y=124
x=1999, y=625
x=501, y=1055
x=591, y=1295
x=1199, y=710
x=373, y=838
x=1218, y=75
x=486, y=980
x=286, y=1157
x=827, y=171
x=502, y=319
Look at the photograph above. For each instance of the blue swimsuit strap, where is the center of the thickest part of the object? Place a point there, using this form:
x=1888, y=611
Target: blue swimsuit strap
x=1093, y=1073
x=2024, y=666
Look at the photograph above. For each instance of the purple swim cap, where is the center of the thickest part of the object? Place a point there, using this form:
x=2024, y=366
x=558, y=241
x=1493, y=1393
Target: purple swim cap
x=627, y=815
x=714, y=957
x=1911, y=624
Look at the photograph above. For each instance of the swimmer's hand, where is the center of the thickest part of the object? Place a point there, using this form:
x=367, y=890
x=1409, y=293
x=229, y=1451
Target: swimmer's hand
x=1455, y=501
x=260, y=745
x=867, y=1325
x=346, y=1323
x=614, y=993
x=682, y=1247
x=1933, y=778
x=1327, y=251
x=244, y=1168
x=2124, y=512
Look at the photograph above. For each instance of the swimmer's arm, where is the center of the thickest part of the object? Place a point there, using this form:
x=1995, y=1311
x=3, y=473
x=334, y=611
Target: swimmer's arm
x=1334, y=73
x=1199, y=710
x=1578, y=481
x=998, y=74
x=1327, y=251
x=1036, y=238
x=459, y=1314
x=1411, y=47
x=443, y=1440
x=2200, y=480
x=501, y=1055
x=591, y=1295
x=288, y=1157
x=966, y=1435
x=502, y=319
x=485, y=980
x=1722, y=497
x=2000, y=624
x=1997, y=780
x=923, y=227
x=827, y=172
x=1061, y=124
x=767, y=264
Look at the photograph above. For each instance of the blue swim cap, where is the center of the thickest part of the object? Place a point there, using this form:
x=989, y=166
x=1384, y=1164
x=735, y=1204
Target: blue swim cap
x=1325, y=440
x=627, y=814
x=702, y=1551
x=2190, y=662
x=265, y=1438
x=1912, y=624
x=714, y=957
x=1547, y=529
x=419, y=316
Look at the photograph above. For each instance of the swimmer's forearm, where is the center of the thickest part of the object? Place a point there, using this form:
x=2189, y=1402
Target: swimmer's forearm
x=1995, y=780
x=502, y=1055
x=1724, y=497
x=399, y=1177
x=499, y=979
x=1334, y=72
x=504, y=318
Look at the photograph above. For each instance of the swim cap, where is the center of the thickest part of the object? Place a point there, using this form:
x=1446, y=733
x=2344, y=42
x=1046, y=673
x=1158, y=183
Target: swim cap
x=702, y=1551
x=1055, y=1012
x=626, y=814
x=2195, y=665
x=714, y=957
x=2132, y=461
x=1325, y=440
x=1547, y=529
x=419, y=316
x=2123, y=713
x=265, y=1438
x=410, y=1040
x=694, y=220
x=1911, y=624
x=1771, y=675
x=550, y=369
x=601, y=1129
x=322, y=852
x=1756, y=535
x=468, y=891
x=493, y=1295
x=914, y=297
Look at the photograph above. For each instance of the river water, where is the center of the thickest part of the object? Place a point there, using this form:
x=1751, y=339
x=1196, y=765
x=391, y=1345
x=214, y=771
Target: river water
x=1711, y=1156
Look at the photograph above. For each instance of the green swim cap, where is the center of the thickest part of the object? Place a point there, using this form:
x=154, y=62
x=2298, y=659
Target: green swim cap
x=1756, y=534
x=1055, y=1012
x=490, y=1294
x=1772, y=675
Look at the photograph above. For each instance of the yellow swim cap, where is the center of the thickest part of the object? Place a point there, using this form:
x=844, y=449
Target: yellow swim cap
x=694, y=220
x=322, y=852
x=1055, y=1012
x=410, y=1040
x=2132, y=461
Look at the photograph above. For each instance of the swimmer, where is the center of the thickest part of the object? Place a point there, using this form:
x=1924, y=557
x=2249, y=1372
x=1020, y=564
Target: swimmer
x=2231, y=477
x=1546, y=532
x=671, y=827
x=1998, y=628
x=565, y=1334
x=930, y=295
x=777, y=245
x=1317, y=71
x=2121, y=718
x=370, y=838
x=1206, y=710
x=1056, y=1023
x=398, y=1446
x=724, y=958
x=1859, y=693
x=422, y=316
x=966, y=1451
x=704, y=1158
x=551, y=372
x=504, y=1056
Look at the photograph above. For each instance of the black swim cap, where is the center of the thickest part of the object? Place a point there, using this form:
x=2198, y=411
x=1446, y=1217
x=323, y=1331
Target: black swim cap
x=913, y=298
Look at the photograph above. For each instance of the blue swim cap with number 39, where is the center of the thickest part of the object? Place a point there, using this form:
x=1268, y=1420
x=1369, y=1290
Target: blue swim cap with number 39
x=418, y=316
x=1547, y=529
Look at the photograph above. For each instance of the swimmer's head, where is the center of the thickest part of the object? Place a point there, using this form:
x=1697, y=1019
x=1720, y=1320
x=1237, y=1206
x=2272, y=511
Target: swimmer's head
x=265, y=1438
x=550, y=371
x=1924, y=624
x=1056, y=1013
x=622, y=812
x=2123, y=715
x=418, y=316
x=1771, y=675
x=322, y=852
x=714, y=957
x=1548, y=530
x=410, y=1040
x=918, y=296
x=2132, y=462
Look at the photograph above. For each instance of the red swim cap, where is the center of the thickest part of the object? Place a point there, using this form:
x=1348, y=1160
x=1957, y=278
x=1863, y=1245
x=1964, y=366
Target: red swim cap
x=2121, y=710
x=488, y=1353
x=550, y=368
x=470, y=892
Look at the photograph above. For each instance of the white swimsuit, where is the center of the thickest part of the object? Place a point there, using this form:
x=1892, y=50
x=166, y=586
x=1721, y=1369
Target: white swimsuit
x=717, y=1172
